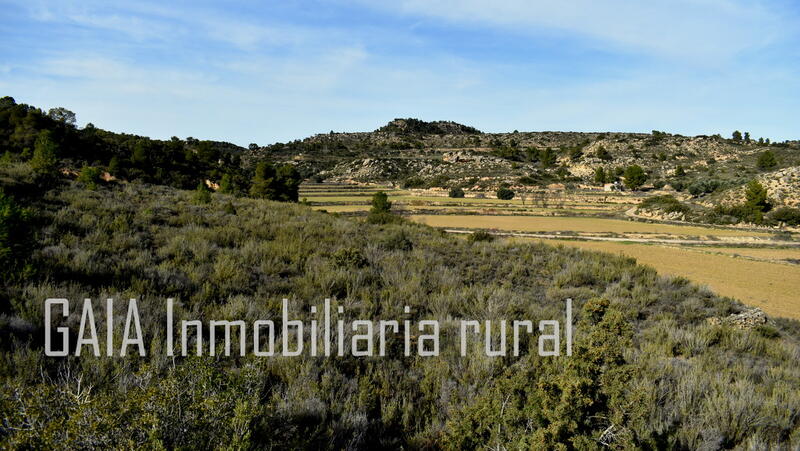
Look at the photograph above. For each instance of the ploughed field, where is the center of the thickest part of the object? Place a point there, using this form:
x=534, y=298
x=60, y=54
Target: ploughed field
x=759, y=267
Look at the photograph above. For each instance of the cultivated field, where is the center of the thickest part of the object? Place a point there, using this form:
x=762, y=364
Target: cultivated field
x=757, y=267
x=773, y=287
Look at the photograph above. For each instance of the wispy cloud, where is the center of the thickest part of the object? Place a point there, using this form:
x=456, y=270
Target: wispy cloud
x=278, y=71
x=698, y=29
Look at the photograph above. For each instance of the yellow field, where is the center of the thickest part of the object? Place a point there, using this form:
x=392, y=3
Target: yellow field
x=756, y=276
x=575, y=224
x=773, y=287
x=757, y=253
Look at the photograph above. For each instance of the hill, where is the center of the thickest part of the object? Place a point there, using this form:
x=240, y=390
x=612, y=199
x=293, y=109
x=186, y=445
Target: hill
x=653, y=366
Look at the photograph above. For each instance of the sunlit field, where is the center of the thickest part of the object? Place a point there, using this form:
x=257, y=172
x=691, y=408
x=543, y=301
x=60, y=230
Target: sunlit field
x=773, y=287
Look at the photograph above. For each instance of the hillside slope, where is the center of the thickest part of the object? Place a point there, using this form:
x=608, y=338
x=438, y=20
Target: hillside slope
x=648, y=371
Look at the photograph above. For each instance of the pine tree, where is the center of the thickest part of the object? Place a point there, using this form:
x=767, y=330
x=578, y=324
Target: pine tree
x=600, y=176
x=44, y=160
x=634, y=176
x=262, y=186
x=226, y=184
x=756, y=196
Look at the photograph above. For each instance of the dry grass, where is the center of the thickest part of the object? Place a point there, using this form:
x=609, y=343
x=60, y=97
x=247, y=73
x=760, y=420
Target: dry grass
x=575, y=224
x=773, y=287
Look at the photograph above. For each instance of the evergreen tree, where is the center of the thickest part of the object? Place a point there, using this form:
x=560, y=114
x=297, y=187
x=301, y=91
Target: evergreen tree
x=263, y=181
x=756, y=196
x=288, y=183
x=737, y=136
x=114, y=167
x=600, y=175
x=44, y=160
x=226, y=184
x=634, y=177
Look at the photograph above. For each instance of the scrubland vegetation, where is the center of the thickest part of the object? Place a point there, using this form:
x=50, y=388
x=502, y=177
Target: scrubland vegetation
x=86, y=213
x=648, y=370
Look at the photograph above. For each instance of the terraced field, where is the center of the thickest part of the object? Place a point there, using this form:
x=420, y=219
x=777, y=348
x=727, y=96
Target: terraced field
x=759, y=267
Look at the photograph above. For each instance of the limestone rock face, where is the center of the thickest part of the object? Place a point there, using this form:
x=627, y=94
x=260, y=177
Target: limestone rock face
x=783, y=188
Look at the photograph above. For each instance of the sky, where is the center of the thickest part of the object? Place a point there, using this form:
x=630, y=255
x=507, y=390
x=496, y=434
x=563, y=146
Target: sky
x=274, y=71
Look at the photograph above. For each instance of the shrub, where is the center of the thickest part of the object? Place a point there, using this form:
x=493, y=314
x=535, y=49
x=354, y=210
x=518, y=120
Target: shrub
x=480, y=235
x=666, y=203
x=16, y=236
x=380, y=203
x=742, y=212
x=413, y=182
x=767, y=160
x=456, y=192
x=202, y=195
x=700, y=187
x=603, y=154
x=90, y=177
x=505, y=194
x=396, y=240
x=349, y=257
x=787, y=215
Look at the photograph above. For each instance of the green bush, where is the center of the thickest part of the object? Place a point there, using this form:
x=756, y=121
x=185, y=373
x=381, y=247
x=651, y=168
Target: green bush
x=505, y=194
x=479, y=236
x=16, y=237
x=665, y=203
x=90, y=177
x=700, y=187
x=767, y=161
x=202, y=194
x=380, y=203
x=787, y=215
x=414, y=183
x=456, y=193
x=756, y=196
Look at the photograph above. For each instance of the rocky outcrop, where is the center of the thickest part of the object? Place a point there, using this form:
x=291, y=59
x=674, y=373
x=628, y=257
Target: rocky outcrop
x=783, y=188
x=748, y=319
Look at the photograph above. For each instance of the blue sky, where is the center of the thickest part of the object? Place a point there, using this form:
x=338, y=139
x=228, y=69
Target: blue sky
x=262, y=72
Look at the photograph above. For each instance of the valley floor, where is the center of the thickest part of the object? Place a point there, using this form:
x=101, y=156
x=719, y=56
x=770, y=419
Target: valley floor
x=758, y=267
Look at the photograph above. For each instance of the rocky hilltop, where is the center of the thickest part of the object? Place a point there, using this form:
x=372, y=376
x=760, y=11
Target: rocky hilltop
x=418, y=154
